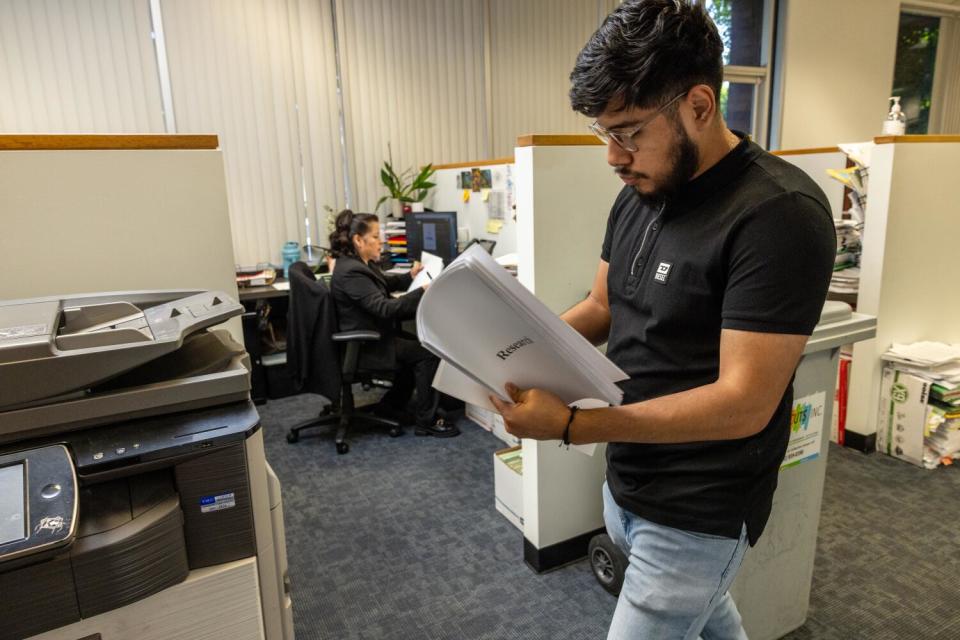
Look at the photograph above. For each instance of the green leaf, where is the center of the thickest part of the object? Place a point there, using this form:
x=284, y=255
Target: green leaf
x=407, y=186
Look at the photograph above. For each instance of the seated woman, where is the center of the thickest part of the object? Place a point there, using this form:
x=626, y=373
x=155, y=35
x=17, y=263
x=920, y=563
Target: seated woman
x=361, y=294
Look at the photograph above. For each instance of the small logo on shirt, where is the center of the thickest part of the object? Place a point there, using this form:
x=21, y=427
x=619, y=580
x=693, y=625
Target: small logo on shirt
x=663, y=272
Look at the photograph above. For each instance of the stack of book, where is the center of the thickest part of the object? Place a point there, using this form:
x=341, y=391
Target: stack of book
x=395, y=243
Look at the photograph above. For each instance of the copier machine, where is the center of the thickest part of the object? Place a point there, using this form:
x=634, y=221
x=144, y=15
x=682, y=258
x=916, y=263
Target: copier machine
x=135, y=498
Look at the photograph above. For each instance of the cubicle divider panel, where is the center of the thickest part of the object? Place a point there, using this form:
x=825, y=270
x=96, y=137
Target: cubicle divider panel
x=114, y=213
x=565, y=189
x=485, y=214
x=909, y=263
x=815, y=163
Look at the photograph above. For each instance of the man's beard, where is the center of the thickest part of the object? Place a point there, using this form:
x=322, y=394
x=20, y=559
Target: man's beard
x=684, y=162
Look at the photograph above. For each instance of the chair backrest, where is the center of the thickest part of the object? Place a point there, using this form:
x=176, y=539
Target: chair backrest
x=312, y=356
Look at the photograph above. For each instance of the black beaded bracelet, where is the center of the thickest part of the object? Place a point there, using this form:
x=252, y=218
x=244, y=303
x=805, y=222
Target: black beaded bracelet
x=566, y=430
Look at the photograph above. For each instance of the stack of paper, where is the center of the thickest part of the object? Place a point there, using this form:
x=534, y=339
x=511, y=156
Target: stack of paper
x=395, y=242
x=845, y=281
x=489, y=330
x=848, y=243
x=927, y=355
x=938, y=364
x=942, y=438
x=432, y=266
x=856, y=177
x=846, y=265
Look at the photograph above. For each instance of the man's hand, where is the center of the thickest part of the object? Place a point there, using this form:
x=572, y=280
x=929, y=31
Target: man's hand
x=415, y=269
x=535, y=413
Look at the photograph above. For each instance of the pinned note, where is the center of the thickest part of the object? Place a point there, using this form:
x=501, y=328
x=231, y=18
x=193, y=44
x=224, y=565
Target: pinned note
x=485, y=194
x=466, y=195
x=494, y=226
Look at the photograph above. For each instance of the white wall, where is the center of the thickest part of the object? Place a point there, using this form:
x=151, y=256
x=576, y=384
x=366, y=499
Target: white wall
x=473, y=215
x=837, y=70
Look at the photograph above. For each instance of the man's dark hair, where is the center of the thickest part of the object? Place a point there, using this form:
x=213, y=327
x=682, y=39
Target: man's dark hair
x=644, y=54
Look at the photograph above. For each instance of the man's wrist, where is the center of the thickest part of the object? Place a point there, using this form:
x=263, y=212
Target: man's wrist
x=565, y=438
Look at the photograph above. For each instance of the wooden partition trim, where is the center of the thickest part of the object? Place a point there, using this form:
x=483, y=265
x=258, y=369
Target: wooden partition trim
x=914, y=138
x=477, y=163
x=558, y=140
x=73, y=142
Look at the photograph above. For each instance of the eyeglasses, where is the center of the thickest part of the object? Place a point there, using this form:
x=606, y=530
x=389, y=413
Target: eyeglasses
x=624, y=139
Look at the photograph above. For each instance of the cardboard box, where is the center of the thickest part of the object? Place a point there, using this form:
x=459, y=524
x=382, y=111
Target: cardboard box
x=508, y=484
x=902, y=415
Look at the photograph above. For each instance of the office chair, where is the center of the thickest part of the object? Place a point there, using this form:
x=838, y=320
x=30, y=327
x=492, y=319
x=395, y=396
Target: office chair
x=345, y=346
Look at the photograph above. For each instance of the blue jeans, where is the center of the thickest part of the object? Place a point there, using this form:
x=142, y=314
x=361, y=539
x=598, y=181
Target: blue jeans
x=676, y=583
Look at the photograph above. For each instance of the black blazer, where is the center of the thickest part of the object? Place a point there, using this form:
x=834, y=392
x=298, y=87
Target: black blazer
x=361, y=293
x=312, y=356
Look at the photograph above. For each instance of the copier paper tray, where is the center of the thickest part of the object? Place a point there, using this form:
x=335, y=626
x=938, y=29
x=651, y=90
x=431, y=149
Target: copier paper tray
x=77, y=362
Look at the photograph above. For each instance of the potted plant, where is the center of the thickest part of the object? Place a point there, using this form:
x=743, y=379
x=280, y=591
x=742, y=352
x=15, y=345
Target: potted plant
x=405, y=187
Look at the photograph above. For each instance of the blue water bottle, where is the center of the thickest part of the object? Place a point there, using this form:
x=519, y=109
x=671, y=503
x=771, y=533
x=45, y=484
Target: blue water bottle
x=291, y=253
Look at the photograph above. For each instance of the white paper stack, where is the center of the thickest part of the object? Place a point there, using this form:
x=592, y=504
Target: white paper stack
x=486, y=326
x=845, y=281
x=432, y=266
x=926, y=355
x=942, y=438
x=938, y=364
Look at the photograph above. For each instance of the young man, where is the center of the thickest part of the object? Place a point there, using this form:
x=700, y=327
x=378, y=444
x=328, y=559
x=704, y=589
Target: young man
x=712, y=275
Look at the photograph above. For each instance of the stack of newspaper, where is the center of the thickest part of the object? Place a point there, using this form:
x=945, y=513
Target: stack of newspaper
x=489, y=330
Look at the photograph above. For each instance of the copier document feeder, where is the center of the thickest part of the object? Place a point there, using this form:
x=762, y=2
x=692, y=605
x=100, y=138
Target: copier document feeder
x=135, y=498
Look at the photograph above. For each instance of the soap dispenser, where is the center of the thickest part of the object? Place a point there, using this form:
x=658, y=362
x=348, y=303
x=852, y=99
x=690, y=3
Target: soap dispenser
x=896, y=122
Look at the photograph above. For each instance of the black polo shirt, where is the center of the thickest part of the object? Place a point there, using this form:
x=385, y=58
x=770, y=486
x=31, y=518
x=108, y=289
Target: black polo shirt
x=747, y=245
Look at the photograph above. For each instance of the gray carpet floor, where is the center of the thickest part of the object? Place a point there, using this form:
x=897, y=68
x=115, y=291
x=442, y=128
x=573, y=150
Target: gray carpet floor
x=399, y=540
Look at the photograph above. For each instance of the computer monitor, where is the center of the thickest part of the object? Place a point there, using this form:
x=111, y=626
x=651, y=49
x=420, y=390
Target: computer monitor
x=434, y=232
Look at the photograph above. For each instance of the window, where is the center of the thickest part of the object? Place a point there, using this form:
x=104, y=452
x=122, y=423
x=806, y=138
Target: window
x=913, y=73
x=746, y=28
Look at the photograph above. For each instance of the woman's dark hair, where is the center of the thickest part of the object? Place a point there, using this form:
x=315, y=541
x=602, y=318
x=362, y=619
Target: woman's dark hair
x=349, y=224
x=644, y=54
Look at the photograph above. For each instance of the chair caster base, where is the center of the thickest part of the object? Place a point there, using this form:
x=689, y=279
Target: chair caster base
x=342, y=448
x=396, y=432
x=293, y=437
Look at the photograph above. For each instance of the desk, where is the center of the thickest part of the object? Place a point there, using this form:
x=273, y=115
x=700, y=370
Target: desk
x=256, y=301
x=264, y=292
x=268, y=371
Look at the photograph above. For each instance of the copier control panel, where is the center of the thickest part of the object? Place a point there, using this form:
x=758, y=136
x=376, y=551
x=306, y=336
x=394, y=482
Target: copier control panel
x=38, y=501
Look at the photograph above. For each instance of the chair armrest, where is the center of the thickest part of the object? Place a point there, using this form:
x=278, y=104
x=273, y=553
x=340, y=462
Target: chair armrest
x=356, y=336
